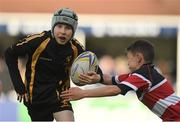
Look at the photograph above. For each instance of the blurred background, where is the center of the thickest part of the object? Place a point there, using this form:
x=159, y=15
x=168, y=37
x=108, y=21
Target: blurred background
x=106, y=27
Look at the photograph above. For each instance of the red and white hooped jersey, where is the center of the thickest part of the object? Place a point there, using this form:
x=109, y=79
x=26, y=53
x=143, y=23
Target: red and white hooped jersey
x=153, y=90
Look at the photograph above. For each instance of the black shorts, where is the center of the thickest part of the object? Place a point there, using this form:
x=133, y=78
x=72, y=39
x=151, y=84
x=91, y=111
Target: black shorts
x=45, y=113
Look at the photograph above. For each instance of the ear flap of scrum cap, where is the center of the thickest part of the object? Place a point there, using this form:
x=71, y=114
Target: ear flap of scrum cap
x=66, y=16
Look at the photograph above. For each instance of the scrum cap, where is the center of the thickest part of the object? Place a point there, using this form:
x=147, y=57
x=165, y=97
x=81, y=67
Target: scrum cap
x=66, y=16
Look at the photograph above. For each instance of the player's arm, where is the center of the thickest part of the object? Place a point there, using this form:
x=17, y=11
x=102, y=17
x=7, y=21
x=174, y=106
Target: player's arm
x=11, y=56
x=76, y=93
x=20, y=49
x=93, y=77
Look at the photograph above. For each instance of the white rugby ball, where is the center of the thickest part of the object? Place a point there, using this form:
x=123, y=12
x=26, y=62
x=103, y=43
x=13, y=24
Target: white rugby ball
x=86, y=61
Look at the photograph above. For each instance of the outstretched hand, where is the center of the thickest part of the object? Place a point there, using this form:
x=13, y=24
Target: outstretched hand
x=90, y=77
x=74, y=93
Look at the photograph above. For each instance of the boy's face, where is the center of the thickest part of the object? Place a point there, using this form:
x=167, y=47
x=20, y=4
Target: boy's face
x=62, y=33
x=134, y=61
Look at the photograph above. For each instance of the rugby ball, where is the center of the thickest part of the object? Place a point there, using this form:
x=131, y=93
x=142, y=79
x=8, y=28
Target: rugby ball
x=85, y=62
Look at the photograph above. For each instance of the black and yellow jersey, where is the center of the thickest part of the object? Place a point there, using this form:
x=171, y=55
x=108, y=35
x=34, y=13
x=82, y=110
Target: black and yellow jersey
x=47, y=68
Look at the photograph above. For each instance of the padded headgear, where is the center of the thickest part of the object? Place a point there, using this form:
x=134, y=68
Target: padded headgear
x=66, y=16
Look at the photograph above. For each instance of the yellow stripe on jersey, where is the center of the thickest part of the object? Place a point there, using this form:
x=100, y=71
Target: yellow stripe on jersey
x=79, y=44
x=33, y=64
x=75, y=50
x=29, y=38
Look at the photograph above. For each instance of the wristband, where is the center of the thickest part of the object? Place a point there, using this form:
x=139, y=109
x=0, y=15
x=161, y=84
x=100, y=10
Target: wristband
x=113, y=80
x=101, y=78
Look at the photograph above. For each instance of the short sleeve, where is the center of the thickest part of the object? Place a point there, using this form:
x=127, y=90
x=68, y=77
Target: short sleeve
x=137, y=81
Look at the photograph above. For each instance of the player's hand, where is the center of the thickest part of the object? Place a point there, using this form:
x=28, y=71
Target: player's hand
x=90, y=77
x=74, y=93
x=21, y=97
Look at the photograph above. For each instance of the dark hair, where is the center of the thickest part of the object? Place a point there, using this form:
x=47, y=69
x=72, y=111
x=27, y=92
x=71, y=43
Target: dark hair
x=144, y=47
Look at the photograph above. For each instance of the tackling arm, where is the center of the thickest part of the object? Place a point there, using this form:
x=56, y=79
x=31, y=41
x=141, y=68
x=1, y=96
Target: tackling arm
x=76, y=93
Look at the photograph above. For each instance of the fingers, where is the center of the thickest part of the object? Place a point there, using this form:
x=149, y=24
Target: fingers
x=22, y=97
x=26, y=97
x=85, y=78
x=91, y=73
x=69, y=95
x=19, y=97
x=90, y=77
x=65, y=93
x=66, y=96
x=82, y=80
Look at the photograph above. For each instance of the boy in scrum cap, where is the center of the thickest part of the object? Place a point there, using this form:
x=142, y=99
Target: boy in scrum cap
x=50, y=54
